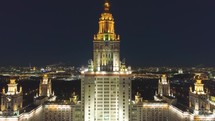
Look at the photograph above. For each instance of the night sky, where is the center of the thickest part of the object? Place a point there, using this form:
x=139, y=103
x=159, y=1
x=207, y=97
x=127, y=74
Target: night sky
x=153, y=32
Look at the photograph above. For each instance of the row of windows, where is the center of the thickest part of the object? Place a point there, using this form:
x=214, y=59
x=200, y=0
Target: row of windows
x=111, y=106
x=112, y=91
x=106, y=78
x=106, y=85
x=106, y=99
x=57, y=109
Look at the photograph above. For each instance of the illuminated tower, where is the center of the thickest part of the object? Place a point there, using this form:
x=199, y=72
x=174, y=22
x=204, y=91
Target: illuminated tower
x=106, y=44
x=163, y=86
x=11, y=101
x=106, y=85
x=45, y=88
x=163, y=93
x=198, y=99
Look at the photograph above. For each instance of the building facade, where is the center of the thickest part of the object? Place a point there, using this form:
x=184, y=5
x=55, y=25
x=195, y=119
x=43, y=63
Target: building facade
x=165, y=108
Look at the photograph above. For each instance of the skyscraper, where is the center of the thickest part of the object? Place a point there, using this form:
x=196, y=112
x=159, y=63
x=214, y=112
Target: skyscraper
x=106, y=85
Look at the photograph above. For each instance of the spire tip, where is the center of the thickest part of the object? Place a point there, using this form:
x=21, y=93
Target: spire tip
x=107, y=5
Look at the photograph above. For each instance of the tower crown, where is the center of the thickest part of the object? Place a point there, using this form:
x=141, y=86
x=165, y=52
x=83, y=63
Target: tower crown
x=12, y=81
x=164, y=79
x=45, y=79
x=45, y=75
x=106, y=30
x=199, y=87
x=12, y=87
x=198, y=81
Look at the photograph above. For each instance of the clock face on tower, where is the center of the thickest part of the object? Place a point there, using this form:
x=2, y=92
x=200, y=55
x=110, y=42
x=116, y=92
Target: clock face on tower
x=8, y=99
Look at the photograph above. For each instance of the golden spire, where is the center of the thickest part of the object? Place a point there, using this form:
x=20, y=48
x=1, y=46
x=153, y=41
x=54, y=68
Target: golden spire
x=107, y=6
x=106, y=26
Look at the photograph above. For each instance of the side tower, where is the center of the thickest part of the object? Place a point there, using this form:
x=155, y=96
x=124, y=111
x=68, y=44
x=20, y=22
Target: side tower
x=45, y=91
x=163, y=93
x=45, y=88
x=198, y=99
x=11, y=101
x=106, y=85
x=163, y=86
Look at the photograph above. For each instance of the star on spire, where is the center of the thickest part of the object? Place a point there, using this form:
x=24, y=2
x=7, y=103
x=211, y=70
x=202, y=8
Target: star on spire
x=107, y=6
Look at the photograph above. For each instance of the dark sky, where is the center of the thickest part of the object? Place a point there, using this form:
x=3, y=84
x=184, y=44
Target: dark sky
x=153, y=32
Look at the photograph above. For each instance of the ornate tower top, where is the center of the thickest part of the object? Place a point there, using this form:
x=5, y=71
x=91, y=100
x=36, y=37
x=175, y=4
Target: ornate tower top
x=164, y=79
x=106, y=26
x=45, y=79
x=12, y=88
x=12, y=81
x=199, y=87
